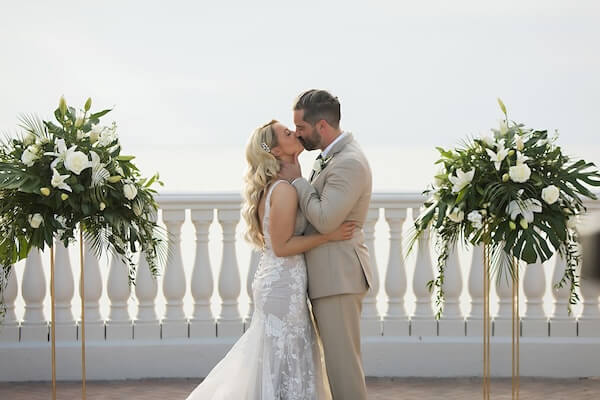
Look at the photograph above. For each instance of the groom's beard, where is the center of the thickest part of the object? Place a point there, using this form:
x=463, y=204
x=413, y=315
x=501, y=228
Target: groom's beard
x=313, y=142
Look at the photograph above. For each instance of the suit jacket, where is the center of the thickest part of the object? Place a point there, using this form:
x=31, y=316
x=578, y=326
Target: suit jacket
x=340, y=192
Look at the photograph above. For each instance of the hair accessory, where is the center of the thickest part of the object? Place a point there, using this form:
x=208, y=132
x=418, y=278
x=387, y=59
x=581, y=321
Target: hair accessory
x=265, y=147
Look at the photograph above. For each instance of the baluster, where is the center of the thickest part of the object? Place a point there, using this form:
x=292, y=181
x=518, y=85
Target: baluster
x=35, y=326
x=174, y=324
x=203, y=322
x=502, y=324
x=119, y=325
x=370, y=319
x=94, y=324
x=395, y=320
x=66, y=330
x=561, y=323
x=229, y=322
x=146, y=325
x=254, y=261
x=475, y=317
x=534, y=321
x=9, y=328
x=452, y=322
x=423, y=321
x=589, y=321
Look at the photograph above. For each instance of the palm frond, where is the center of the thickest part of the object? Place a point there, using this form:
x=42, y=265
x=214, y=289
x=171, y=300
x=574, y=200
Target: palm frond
x=32, y=123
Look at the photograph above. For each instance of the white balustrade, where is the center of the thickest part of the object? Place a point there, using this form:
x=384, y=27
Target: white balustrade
x=534, y=320
x=423, y=321
x=174, y=324
x=215, y=333
x=229, y=322
x=452, y=322
x=94, y=324
x=475, y=316
x=34, y=327
x=9, y=331
x=202, y=323
x=66, y=329
x=395, y=320
x=118, y=325
x=370, y=323
x=561, y=323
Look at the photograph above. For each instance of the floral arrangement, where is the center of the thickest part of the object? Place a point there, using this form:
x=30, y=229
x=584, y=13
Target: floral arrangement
x=513, y=191
x=58, y=177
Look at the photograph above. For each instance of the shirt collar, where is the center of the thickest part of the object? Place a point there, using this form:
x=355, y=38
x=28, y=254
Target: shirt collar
x=328, y=148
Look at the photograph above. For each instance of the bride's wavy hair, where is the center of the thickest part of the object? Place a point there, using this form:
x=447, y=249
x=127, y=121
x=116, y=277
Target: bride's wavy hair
x=263, y=169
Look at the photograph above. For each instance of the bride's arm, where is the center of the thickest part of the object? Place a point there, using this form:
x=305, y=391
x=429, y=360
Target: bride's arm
x=283, y=208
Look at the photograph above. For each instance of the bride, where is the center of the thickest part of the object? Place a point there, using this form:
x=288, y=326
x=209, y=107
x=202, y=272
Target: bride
x=279, y=356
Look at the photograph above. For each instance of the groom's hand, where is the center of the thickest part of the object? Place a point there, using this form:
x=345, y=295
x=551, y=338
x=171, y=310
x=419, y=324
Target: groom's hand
x=290, y=171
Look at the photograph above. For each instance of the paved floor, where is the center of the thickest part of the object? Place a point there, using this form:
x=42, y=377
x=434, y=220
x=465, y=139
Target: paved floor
x=379, y=389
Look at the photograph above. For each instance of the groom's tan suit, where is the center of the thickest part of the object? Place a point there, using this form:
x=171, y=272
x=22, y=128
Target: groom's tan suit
x=339, y=273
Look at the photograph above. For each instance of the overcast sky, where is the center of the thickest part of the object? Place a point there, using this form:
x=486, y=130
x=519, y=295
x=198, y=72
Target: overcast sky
x=410, y=75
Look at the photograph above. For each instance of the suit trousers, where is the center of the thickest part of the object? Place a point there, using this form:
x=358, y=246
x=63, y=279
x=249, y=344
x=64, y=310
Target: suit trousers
x=338, y=323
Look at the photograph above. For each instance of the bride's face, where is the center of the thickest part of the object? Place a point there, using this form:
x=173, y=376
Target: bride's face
x=288, y=143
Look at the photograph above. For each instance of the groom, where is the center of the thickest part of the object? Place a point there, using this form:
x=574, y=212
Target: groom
x=339, y=274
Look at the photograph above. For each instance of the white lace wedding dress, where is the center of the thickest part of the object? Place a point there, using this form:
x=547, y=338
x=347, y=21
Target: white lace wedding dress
x=278, y=357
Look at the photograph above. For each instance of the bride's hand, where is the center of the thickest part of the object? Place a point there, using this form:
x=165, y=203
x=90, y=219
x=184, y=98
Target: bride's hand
x=344, y=232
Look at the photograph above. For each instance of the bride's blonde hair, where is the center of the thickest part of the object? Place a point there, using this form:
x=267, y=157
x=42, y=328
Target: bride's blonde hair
x=263, y=169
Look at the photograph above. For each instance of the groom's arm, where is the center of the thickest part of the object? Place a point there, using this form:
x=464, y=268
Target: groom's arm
x=344, y=186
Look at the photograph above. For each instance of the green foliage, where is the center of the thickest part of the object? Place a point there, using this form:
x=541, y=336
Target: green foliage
x=529, y=165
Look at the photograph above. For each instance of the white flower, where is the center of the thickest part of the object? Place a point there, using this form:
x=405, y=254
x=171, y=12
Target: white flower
x=80, y=134
x=137, y=209
x=58, y=180
x=475, y=218
x=457, y=215
x=519, y=144
x=35, y=220
x=461, y=179
x=76, y=161
x=95, y=133
x=61, y=220
x=60, y=152
x=498, y=156
x=487, y=139
x=438, y=179
x=550, y=194
x=524, y=207
x=29, y=139
x=503, y=127
x=519, y=173
x=317, y=166
x=107, y=135
x=130, y=191
x=521, y=158
x=99, y=173
x=30, y=155
x=102, y=206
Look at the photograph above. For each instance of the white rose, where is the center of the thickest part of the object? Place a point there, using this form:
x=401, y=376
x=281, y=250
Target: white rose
x=475, y=218
x=130, y=191
x=76, y=161
x=550, y=194
x=457, y=215
x=29, y=155
x=519, y=173
x=35, y=220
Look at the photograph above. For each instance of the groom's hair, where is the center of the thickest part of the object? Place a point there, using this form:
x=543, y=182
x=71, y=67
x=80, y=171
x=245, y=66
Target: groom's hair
x=318, y=105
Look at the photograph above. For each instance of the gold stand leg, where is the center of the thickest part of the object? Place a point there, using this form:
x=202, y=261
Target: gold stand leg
x=82, y=295
x=486, y=324
x=52, y=323
x=516, y=332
